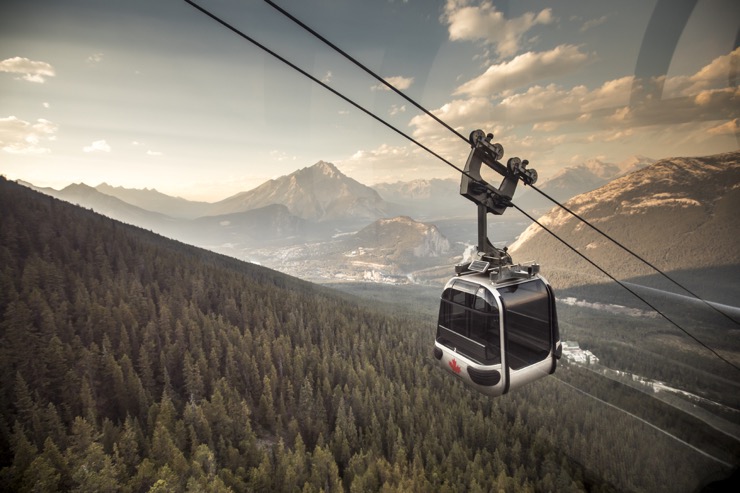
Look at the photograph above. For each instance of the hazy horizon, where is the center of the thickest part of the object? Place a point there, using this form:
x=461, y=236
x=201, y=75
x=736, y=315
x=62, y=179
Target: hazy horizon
x=157, y=95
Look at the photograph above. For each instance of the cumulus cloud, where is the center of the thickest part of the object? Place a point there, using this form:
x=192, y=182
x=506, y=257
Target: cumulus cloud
x=484, y=23
x=547, y=117
x=524, y=70
x=381, y=153
x=714, y=75
x=460, y=114
x=29, y=70
x=399, y=82
x=97, y=146
x=728, y=128
x=388, y=163
x=22, y=137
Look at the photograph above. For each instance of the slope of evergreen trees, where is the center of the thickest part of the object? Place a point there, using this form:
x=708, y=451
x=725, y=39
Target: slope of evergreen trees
x=129, y=362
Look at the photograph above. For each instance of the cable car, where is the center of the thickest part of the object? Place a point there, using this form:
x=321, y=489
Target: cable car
x=497, y=335
x=498, y=327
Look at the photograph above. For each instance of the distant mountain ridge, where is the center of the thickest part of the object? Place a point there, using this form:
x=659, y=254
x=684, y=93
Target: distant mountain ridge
x=318, y=193
x=387, y=250
x=111, y=206
x=402, y=236
x=152, y=200
x=575, y=180
x=679, y=213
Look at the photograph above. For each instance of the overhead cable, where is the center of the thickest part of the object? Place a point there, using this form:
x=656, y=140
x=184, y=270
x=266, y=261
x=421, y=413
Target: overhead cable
x=427, y=149
x=448, y=127
x=659, y=312
x=363, y=67
x=318, y=81
x=638, y=257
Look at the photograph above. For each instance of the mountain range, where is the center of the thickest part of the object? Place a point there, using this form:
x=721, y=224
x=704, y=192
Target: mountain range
x=679, y=213
x=134, y=363
x=317, y=193
x=306, y=223
x=575, y=180
x=310, y=222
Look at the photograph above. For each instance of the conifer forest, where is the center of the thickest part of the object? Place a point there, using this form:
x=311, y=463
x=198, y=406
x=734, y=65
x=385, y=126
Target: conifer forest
x=133, y=363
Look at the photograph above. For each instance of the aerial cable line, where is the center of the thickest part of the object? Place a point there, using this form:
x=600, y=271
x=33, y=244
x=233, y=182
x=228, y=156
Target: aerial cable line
x=644, y=421
x=363, y=67
x=422, y=146
x=659, y=312
x=321, y=83
x=638, y=257
x=448, y=127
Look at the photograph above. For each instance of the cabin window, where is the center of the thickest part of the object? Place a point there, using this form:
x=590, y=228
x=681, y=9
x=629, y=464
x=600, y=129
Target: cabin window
x=469, y=322
x=527, y=323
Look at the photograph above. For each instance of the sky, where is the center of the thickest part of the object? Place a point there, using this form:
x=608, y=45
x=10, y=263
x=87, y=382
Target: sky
x=155, y=94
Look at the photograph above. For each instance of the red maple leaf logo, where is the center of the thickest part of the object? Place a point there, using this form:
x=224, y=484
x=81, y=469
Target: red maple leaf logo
x=455, y=367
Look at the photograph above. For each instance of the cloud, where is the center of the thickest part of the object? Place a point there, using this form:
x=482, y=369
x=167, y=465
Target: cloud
x=95, y=58
x=713, y=75
x=484, y=23
x=398, y=82
x=388, y=163
x=593, y=23
x=459, y=114
x=524, y=70
x=282, y=156
x=382, y=152
x=546, y=120
x=546, y=126
x=31, y=71
x=97, y=146
x=327, y=78
x=22, y=137
x=154, y=153
x=396, y=110
x=728, y=128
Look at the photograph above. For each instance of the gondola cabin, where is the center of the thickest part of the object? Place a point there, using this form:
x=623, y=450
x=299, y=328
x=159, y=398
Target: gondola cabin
x=497, y=328
x=498, y=334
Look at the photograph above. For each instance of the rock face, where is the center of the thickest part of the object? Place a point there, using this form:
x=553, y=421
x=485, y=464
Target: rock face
x=402, y=237
x=317, y=193
x=575, y=180
x=679, y=213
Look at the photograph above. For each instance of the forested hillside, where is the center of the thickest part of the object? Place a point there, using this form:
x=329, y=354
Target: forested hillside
x=133, y=363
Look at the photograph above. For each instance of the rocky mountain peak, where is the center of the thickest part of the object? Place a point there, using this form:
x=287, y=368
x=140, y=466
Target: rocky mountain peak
x=403, y=235
x=679, y=213
x=317, y=193
x=328, y=169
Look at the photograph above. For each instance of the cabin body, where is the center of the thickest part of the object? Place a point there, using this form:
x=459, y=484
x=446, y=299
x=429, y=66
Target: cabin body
x=497, y=336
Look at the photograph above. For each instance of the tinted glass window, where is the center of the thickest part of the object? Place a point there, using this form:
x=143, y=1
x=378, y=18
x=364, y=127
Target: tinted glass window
x=527, y=322
x=471, y=318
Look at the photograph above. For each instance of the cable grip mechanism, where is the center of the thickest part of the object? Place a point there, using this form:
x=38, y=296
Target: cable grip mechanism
x=475, y=188
x=491, y=199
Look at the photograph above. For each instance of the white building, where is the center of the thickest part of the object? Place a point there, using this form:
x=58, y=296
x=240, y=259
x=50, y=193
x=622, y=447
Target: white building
x=573, y=352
